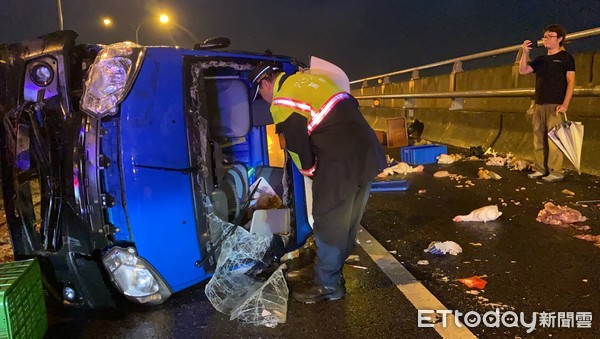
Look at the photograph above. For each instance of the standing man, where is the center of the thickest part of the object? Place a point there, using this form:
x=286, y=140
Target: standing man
x=554, y=84
x=329, y=140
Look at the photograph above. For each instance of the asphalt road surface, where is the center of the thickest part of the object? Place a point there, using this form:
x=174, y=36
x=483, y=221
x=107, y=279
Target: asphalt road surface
x=529, y=267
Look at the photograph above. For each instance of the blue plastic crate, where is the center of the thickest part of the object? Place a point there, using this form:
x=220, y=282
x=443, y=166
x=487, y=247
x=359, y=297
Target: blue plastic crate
x=390, y=186
x=422, y=154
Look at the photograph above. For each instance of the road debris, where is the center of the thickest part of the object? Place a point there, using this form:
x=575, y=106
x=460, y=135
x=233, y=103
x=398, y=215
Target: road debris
x=400, y=168
x=496, y=161
x=393, y=252
x=586, y=202
x=486, y=213
x=443, y=248
x=441, y=174
x=448, y=158
x=475, y=243
x=360, y=267
x=559, y=215
x=353, y=258
x=517, y=164
x=487, y=174
x=473, y=292
x=588, y=237
x=568, y=192
x=423, y=262
x=423, y=191
x=474, y=282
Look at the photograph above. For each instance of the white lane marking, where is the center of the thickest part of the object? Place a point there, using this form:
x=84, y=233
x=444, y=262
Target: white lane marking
x=414, y=291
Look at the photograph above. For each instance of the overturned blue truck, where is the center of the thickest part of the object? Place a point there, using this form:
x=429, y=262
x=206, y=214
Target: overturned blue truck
x=111, y=155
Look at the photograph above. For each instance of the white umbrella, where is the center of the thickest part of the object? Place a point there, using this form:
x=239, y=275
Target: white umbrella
x=568, y=136
x=319, y=66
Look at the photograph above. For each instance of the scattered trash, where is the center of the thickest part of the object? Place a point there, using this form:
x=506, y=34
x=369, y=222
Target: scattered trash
x=568, y=192
x=559, y=215
x=357, y=266
x=474, y=282
x=443, y=248
x=441, y=174
x=486, y=213
x=516, y=164
x=292, y=274
x=422, y=142
x=486, y=174
x=423, y=191
x=475, y=243
x=588, y=237
x=513, y=261
x=483, y=299
x=584, y=280
x=233, y=292
x=353, y=258
x=475, y=151
x=448, y=158
x=400, y=168
x=473, y=292
x=496, y=161
x=582, y=228
x=423, y=262
x=394, y=252
x=586, y=202
x=489, y=198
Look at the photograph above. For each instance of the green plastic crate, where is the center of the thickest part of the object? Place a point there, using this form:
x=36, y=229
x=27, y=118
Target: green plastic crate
x=23, y=308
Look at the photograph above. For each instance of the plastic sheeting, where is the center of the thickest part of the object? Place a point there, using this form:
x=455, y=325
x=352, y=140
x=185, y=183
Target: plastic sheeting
x=234, y=292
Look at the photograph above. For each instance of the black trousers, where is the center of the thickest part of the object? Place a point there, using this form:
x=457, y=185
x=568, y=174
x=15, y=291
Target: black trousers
x=335, y=235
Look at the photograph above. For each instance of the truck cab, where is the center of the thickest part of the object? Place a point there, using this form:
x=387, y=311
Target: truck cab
x=115, y=160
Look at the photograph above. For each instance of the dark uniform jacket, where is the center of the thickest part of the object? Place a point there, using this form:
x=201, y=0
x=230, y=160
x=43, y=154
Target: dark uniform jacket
x=326, y=136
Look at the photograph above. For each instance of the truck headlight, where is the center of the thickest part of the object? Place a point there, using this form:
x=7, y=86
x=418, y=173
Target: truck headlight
x=110, y=78
x=41, y=74
x=134, y=277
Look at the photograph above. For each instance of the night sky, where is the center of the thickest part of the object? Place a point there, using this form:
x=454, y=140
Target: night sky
x=363, y=37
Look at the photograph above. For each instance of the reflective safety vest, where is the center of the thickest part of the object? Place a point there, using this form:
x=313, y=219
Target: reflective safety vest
x=310, y=95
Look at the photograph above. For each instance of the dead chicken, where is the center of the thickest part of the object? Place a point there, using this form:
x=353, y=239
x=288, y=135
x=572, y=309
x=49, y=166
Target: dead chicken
x=486, y=213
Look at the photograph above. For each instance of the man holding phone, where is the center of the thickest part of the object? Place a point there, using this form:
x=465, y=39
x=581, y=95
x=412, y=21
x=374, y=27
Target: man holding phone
x=554, y=85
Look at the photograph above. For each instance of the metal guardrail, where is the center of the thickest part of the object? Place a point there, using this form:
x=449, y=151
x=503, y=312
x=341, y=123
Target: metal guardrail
x=497, y=93
x=457, y=62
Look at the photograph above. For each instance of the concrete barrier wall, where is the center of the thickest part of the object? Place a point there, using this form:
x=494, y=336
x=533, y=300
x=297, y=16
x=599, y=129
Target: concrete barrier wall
x=483, y=119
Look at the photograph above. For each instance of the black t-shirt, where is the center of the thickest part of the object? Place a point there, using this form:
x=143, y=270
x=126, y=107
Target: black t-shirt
x=551, y=77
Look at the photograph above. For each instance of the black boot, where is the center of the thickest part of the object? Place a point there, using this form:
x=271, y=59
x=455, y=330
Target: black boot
x=316, y=293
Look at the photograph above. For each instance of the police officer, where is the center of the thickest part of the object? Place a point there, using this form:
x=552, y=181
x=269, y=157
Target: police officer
x=329, y=140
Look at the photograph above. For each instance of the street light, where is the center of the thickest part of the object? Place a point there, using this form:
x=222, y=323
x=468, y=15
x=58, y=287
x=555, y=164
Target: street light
x=163, y=19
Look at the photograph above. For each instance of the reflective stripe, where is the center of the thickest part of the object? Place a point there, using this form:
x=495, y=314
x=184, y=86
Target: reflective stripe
x=295, y=104
x=325, y=109
x=316, y=117
x=309, y=172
